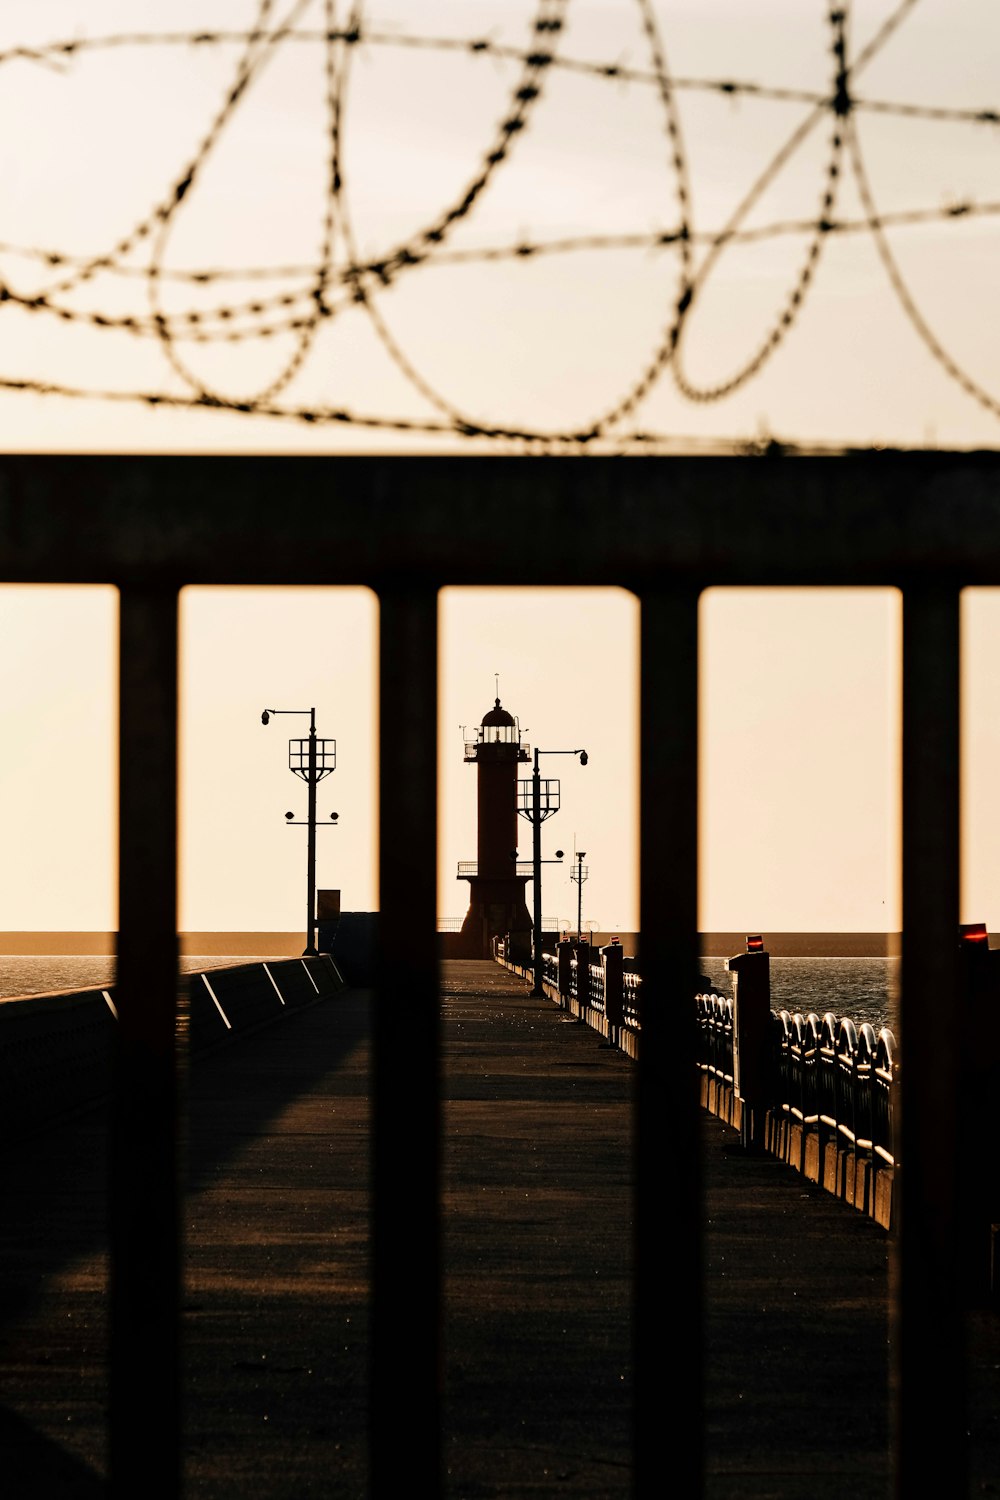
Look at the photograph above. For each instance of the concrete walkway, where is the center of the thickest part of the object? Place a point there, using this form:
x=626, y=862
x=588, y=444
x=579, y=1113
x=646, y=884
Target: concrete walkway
x=537, y=1216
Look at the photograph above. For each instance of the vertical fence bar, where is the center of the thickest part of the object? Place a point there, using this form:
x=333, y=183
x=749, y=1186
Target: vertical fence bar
x=930, y=1352
x=406, y=1378
x=668, y=1308
x=144, y=1446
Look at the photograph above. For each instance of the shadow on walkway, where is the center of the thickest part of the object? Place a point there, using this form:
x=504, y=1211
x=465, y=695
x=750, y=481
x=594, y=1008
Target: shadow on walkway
x=537, y=1221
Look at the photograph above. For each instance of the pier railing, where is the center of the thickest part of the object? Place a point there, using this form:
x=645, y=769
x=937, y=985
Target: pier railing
x=715, y=1025
x=632, y=989
x=594, y=985
x=831, y=1095
x=833, y=1108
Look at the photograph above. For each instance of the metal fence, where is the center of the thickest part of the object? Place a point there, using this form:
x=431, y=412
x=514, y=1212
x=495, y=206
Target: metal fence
x=665, y=528
x=838, y=1080
x=829, y=1077
x=632, y=999
x=715, y=1022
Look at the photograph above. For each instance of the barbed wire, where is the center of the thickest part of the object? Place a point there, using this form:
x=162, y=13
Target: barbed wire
x=312, y=296
x=56, y=54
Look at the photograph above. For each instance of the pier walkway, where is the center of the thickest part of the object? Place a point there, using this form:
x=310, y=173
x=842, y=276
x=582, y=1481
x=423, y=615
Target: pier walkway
x=537, y=1216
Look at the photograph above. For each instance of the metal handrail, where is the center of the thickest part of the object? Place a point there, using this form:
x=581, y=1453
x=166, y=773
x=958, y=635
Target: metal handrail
x=715, y=1015
x=470, y=867
x=827, y=1076
x=864, y=1066
x=847, y=1052
x=631, y=1002
x=884, y=1077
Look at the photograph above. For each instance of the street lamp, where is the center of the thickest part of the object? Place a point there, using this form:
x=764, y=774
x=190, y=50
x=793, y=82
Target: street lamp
x=311, y=760
x=580, y=874
x=536, y=802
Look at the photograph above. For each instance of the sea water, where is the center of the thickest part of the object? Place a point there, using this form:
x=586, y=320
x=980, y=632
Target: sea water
x=65, y=973
x=863, y=989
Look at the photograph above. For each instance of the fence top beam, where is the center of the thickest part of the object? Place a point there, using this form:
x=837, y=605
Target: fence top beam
x=856, y=518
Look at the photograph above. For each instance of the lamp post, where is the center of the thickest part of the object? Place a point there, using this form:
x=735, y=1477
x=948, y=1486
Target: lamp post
x=580, y=874
x=311, y=760
x=536, y=804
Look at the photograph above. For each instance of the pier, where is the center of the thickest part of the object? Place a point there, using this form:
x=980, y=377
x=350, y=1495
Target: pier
x=538, y=1394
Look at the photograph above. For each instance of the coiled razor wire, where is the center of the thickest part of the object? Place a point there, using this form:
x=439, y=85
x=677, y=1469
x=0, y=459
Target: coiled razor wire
x=341, y=280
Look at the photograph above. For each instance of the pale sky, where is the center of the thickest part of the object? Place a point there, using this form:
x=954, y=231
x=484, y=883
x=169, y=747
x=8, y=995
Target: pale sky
x=104, y=135
x=799, y=726
x=800, y=731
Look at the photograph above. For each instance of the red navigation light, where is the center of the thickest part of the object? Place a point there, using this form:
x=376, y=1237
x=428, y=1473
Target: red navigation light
x=755, y=943
x=973, y=932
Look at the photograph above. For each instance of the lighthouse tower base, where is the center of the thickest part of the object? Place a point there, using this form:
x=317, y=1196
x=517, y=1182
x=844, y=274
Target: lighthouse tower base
x=496, y=907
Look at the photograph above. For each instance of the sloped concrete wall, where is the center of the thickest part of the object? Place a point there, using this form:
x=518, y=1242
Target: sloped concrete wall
x=56, y=1050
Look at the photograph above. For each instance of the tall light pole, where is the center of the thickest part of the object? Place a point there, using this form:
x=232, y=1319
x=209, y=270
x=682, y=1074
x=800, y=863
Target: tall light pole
x=311, y=760
x=544, y=801
x=580, y=874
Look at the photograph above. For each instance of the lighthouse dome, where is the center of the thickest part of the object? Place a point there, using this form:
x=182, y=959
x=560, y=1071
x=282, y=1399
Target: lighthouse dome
x=498, y=715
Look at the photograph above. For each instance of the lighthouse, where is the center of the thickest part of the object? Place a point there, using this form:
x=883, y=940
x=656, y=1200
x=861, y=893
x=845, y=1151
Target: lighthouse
x=496, y=888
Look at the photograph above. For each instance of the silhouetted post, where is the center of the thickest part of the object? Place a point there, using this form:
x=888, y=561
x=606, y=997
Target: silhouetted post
x=930, y=1337
x=579, y=875
x=564, y=952
x=582, y=978
x=540, y=809
x=536, y=865
x=668, y=1117
x=310, y=950
x=978, y=1187
x=612, y=957
x=144, y=1393
x=751, y=973
x=407, y=1360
